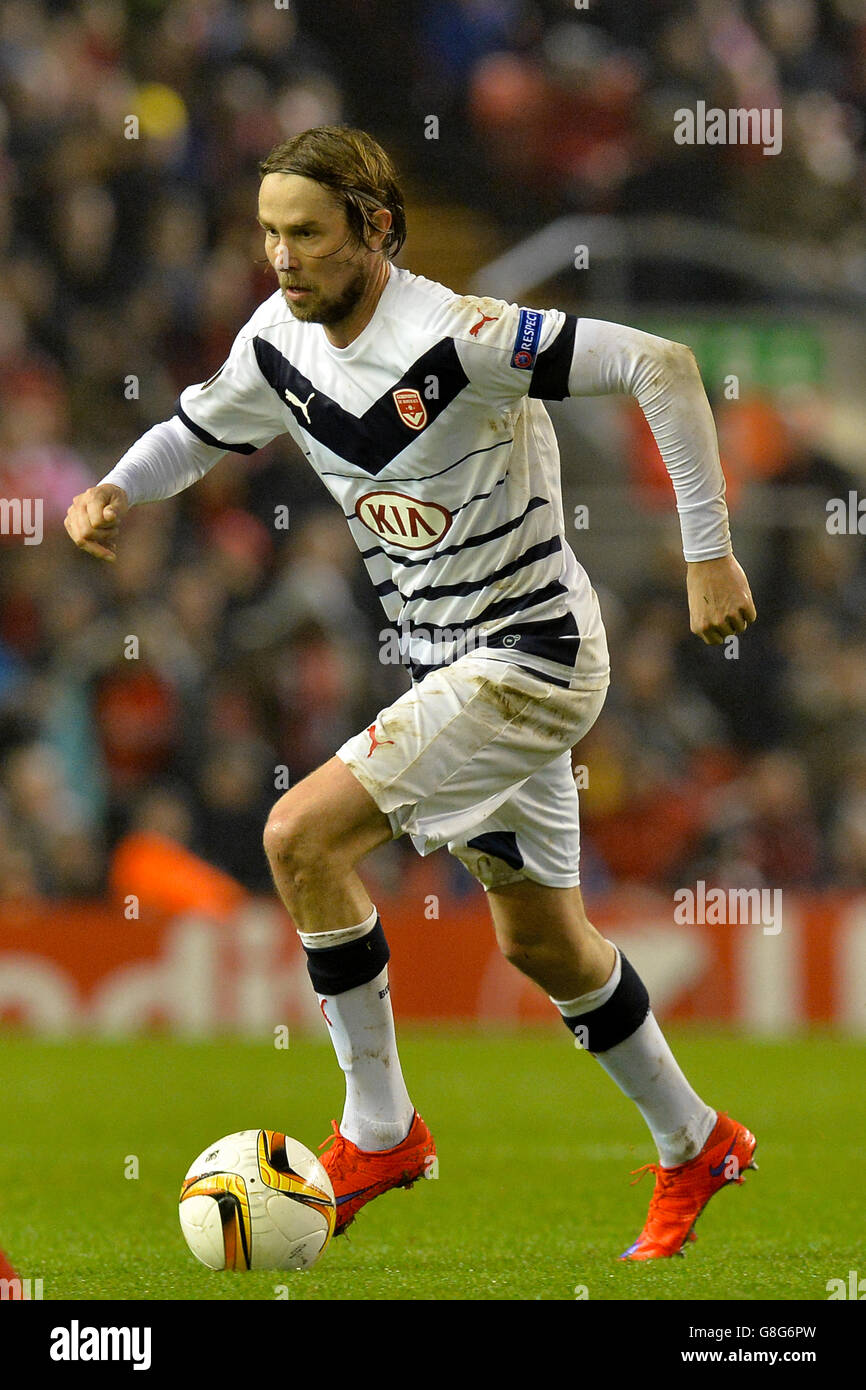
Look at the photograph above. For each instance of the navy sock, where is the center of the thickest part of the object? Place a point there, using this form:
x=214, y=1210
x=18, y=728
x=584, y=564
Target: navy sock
x=614, y=1021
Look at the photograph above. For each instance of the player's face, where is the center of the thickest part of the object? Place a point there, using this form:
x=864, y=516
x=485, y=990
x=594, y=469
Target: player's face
x=322, y=271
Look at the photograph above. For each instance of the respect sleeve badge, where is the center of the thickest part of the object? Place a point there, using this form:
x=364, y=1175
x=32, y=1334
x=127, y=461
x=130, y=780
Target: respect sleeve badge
x=525, y=348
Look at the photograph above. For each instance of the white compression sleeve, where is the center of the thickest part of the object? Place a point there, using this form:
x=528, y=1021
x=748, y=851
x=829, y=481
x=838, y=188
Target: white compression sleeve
x=164, y=461
x=664, y=379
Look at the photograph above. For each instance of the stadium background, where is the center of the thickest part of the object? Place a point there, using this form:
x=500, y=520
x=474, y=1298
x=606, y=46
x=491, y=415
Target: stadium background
x=134, y=892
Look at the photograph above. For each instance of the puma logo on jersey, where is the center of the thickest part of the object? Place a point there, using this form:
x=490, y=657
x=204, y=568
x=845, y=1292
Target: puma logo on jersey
x=485, y=318
x=301, y=405
x=374, y=741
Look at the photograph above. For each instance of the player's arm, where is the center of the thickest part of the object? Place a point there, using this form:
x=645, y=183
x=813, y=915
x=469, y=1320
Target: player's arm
x=234, y=411
x=599, y=358
x=164, y=461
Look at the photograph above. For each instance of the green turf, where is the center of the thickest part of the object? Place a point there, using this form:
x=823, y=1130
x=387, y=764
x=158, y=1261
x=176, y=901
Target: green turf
x=535, y=1151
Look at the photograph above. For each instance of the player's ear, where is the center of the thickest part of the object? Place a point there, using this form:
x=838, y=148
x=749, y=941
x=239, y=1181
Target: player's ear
x=381, y=220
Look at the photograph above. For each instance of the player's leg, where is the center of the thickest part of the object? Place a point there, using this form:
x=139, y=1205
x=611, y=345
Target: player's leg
x=545, y=932
x=315, y=836
x=526, y=856
x=434, y=764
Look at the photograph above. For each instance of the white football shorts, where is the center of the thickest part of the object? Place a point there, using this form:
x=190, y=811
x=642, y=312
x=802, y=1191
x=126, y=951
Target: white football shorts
x=476, y=756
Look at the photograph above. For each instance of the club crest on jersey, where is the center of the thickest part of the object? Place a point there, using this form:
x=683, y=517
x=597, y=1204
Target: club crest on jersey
x=412, y=410
x=525, y=348
x=403, y=520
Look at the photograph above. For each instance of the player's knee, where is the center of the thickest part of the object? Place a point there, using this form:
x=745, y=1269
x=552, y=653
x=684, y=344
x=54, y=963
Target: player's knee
x=519, y=953
x=522, y=948
x=525, y=948
x=296, y=841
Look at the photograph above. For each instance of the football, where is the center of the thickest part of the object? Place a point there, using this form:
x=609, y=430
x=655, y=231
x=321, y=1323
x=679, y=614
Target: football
x=257, y=1199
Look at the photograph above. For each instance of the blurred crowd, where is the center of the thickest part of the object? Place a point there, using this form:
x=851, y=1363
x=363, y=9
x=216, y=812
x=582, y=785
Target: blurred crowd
x=227, y=654
x=572, y=104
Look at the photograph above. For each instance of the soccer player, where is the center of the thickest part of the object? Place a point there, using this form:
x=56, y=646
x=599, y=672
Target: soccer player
x=421, y=410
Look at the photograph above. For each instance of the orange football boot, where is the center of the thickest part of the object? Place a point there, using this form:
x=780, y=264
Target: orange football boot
x=681, y=1193
x=359, y=1175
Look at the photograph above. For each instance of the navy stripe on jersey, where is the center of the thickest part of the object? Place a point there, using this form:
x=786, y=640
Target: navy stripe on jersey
x=555, y=639
x=535, y=552
x=209, y=438
x=553, y=365
x=480, y=496
x=387, y=586
x=417, y=477
x=369, y=441
x=409, y=562
x=503, y=608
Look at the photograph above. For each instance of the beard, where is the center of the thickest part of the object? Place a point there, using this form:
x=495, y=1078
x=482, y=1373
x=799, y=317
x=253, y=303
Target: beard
x=329, y=312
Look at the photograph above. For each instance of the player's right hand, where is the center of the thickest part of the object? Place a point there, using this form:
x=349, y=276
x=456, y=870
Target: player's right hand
x=93, y=519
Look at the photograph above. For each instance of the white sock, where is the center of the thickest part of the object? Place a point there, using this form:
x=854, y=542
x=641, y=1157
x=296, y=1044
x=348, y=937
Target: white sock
x=319, y=940
x=378, y=1112
x=645, y=1070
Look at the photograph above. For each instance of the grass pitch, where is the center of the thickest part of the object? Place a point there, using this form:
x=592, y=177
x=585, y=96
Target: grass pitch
x=532, y=1202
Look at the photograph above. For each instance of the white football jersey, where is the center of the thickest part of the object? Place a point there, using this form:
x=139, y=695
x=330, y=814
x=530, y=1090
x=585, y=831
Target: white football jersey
x=430, y=433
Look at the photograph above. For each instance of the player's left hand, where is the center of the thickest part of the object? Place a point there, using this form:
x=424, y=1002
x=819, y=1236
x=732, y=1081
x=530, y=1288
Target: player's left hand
x=720, y=600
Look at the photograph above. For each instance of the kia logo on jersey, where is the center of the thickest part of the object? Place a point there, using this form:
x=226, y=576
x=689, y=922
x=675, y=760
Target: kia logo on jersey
x=402, y=520
x=413, y=411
